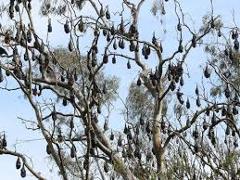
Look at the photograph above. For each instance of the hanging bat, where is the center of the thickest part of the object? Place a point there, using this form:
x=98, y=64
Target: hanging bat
x=3, y=51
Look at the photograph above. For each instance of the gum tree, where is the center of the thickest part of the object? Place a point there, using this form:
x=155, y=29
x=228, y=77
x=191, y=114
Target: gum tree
x=167, y=132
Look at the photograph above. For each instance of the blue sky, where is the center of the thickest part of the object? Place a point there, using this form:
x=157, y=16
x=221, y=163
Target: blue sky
x=13, y=105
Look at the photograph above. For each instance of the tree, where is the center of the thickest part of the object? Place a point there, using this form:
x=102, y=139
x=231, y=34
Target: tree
x=167, y=133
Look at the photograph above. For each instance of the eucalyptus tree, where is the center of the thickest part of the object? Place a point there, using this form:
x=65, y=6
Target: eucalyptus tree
x=172, y=129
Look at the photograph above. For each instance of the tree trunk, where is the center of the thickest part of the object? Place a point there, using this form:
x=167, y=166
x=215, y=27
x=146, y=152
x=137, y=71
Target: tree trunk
x=121, y=168
x=158, y=149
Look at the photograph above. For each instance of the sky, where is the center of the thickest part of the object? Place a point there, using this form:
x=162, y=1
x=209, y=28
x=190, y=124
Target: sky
x=13, y=105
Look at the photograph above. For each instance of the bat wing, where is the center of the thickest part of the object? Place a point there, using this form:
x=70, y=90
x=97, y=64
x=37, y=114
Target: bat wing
x=3, y=51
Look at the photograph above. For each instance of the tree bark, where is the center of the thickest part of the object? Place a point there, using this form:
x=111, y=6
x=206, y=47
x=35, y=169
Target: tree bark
x=121, y=168
x=158, y=148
